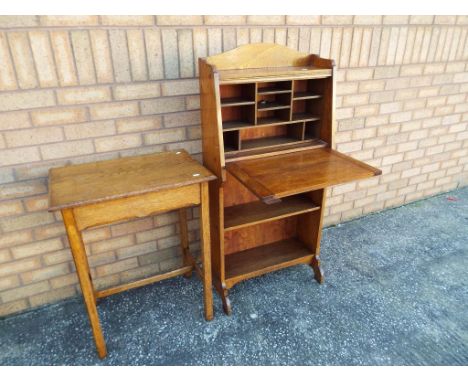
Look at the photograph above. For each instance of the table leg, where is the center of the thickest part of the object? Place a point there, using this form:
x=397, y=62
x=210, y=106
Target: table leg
x=206, y=250
x=184, y=240
x=84, y=276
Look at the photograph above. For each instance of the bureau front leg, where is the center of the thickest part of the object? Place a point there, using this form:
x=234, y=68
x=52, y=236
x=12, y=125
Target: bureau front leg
x=82, y=268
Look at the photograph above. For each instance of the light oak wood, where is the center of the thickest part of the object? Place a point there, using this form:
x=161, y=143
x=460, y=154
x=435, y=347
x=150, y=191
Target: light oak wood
x=118, y=190
x=263, y=259
x=137, y=206
x=244, y=215
x=77, y=185
x=84, y=276
x=275, y=177
x=275, y=156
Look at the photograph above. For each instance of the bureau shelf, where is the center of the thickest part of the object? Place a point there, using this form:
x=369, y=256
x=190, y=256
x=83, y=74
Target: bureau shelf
x=244, y=215
x=235, y=101
x=264, y=259
x=306, y=95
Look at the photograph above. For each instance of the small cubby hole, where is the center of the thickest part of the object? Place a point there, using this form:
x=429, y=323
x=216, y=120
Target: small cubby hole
x=232, y=93
x=309, y=88
x=238, y=116
x=270, y=136
x=275, y=87
x=231, y=141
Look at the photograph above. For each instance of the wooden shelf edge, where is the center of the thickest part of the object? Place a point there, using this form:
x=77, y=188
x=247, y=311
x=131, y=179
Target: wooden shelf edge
x=243, y=215
x=265, y=259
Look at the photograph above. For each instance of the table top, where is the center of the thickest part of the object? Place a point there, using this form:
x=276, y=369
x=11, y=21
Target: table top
x=90, y=183
x=274, y=177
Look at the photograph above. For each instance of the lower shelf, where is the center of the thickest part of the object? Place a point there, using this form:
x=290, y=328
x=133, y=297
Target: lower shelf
x=264, y=259
x=244, y=215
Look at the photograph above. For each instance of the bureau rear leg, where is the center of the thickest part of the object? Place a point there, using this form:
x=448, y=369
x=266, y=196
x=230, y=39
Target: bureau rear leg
x=226, y=301
x=318, y=274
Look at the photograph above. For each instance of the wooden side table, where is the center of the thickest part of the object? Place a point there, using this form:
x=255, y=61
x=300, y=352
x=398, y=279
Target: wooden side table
x=93, y=194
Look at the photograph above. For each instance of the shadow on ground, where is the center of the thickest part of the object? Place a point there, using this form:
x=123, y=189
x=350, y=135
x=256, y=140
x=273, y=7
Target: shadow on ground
x=395, y=293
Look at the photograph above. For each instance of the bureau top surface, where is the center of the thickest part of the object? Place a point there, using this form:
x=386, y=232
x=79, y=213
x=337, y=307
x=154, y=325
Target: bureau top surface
x=90, y=183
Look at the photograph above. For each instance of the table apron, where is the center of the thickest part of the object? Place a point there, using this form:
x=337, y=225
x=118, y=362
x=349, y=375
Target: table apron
x=137, y=206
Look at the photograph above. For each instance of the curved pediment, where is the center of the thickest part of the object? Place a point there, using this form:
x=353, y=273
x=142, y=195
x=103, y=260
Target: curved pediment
x=252, y=56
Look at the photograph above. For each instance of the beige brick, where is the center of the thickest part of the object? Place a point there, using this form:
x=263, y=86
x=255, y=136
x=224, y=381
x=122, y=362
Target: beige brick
x=366, y=110
x=49, y=231
x=224, y=20
x=371, y=86
x=137, y=54
x=359, y=74
x=22, y=189
x=181, y=87
x=394, y=19
x=63, y=54
x=170, y=53
x=355, y=99
x=83, y=57
x=11, y=21
x=52, y=296
x=9, y=282
x=85, y=95
x=7, y=72
x=158, y=233
x=89, y=130
x=185, y=45
x=131, y=227
x=266, y=20
x=164, y=136
x=336, y=20
x=162, y=105
x=44, y=273
x=182, y=119
x=154, y=53
x=57, y=21
x=10, y=207
x=57, y=257
x=25, y=291
x=120, y=55
x=137, y=250
x=66, y=149
x=112, y=244
x=17, y=156
x=385, y=96
x=179, y=20
x=36, y=248
x=444, y=19
x=116, y=267
x=33, y=136
x=137, y=91
x=127, y=20
x=58, y=116
x=303, y=20
x=118, y=142
x=22, y=59
x=113, y=110
x=386, y=72
x=138, y=124
x=14, y=238
x=43, y=57
x=13, y=307
x=102, y=56
x=367, y=20
x=65, y=280
x=421, y=19
x=349, y=146
x=390, y=107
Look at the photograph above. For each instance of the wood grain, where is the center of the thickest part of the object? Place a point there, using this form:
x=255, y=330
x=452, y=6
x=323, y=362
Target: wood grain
x=89, y=183
x=275, y=177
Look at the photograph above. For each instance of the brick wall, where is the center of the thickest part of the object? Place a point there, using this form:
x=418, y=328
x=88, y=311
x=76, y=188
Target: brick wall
x=85, y=88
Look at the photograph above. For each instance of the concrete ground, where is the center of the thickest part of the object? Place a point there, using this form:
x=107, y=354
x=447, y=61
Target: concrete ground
x=395, y=293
